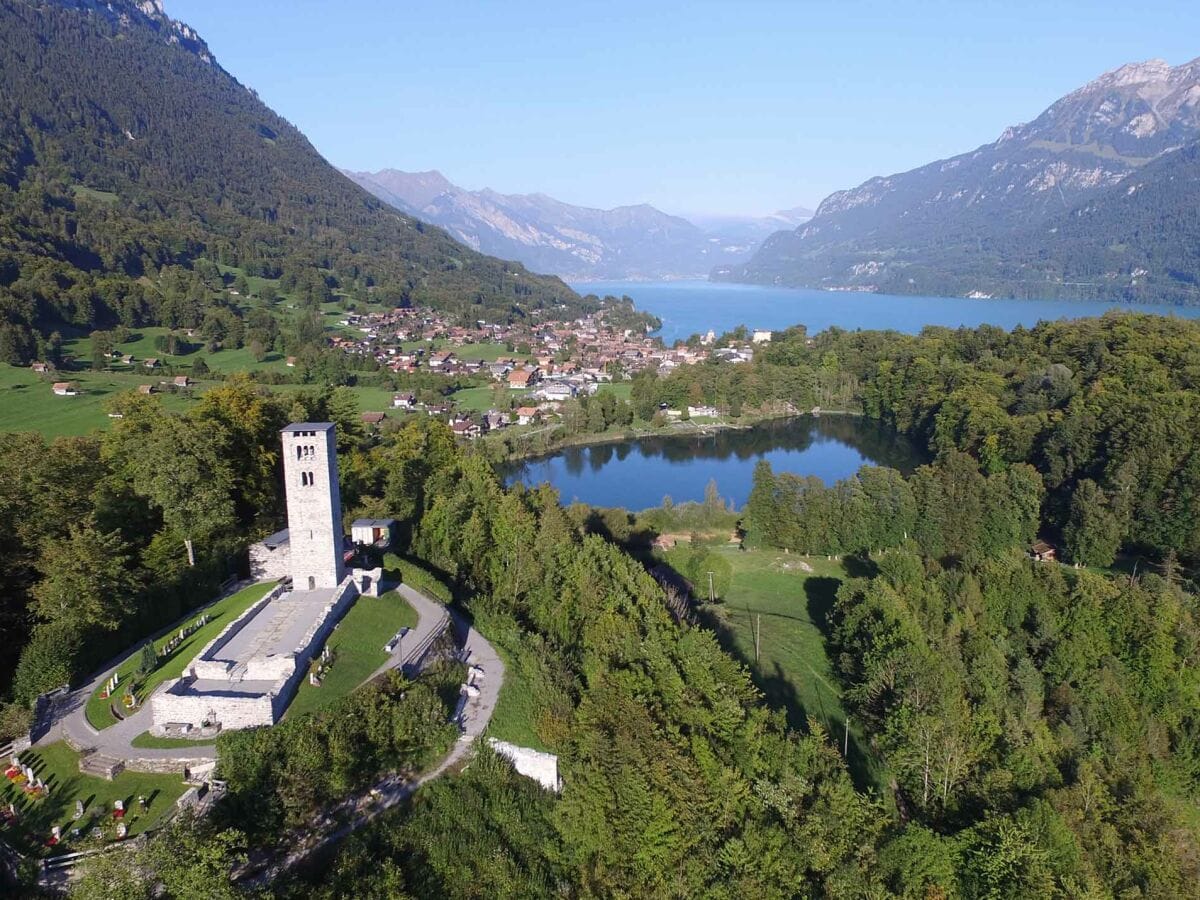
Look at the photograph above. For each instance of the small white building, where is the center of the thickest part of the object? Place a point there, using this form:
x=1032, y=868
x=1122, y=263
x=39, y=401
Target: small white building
x=371, y=532
x=761, y=337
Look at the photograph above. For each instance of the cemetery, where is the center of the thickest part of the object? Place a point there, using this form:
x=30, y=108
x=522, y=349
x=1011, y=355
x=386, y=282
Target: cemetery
x=48, y=806
x=120, y=761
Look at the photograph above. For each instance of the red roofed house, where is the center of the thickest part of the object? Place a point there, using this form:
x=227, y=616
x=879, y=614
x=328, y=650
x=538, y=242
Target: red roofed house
x=521, y=378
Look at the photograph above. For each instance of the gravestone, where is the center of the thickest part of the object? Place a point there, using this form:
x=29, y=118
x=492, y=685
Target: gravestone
x=78, y=809
x=122, y=830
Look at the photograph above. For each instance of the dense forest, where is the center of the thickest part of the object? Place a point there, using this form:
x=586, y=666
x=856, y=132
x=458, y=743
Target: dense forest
x=126, y=150
x=1107, y=410
x=1037, y=721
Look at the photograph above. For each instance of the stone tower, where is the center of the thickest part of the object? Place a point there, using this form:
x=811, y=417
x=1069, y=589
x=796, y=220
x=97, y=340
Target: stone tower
x=314, y=505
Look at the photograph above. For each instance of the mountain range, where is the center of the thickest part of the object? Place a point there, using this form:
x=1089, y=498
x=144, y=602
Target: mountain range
x=125, y=150
x=1096, y=197
x=576, y=242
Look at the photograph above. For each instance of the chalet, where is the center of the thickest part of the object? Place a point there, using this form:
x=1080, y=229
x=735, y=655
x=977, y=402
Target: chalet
x=65, y=389
x=40, y=367
x=374, y=419
x=709, y=412
x=290, y=362
x=128, y=359
x=495, y=420
x=182, y=381
x=404, y=401
x=151, y=363
x=467, y=428
x=520, y=379
x=146, y=389
x=526, y=414
x=440, y=359
x=1043, y=552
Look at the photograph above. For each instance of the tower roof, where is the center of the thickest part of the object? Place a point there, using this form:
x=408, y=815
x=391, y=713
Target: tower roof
x=308, y=426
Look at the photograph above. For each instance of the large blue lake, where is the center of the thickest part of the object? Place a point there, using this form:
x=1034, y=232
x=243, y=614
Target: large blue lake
x=693, y=307
x=637, y=474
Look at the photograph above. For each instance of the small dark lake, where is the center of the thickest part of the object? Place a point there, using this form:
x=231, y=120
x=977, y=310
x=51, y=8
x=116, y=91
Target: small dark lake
x=637, y=474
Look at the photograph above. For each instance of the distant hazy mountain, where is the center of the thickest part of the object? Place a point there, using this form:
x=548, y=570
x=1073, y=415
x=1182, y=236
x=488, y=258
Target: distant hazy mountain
x=1037, y=212
x=629, y=242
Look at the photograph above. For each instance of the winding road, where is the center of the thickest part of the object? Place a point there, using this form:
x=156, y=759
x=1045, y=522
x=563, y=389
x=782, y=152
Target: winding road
x=69, y=722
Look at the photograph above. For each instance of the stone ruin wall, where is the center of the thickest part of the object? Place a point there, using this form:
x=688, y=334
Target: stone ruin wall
x=541, y=767
x=285, y=670
x=270, y=565
x=231, y=712
x=203, y=665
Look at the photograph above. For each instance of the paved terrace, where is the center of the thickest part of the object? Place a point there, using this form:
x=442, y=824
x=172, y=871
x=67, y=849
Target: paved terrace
x=275, y=630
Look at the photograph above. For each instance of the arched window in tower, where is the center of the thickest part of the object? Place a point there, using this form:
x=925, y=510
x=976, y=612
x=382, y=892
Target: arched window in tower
x=299, y=451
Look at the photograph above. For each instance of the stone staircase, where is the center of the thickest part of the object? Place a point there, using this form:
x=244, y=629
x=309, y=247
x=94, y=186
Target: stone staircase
x=101, y=766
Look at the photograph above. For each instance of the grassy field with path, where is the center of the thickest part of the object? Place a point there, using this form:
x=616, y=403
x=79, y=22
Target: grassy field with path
x=220, y=614
x=58, y=766
x=27, y=402
x=788, y=597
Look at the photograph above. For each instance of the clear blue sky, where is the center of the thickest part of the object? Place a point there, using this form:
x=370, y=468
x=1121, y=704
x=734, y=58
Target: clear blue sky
x=733, y=107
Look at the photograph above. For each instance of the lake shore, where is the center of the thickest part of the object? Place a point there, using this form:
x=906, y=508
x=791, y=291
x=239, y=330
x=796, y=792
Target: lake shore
x=674, y=428
x=636, y=468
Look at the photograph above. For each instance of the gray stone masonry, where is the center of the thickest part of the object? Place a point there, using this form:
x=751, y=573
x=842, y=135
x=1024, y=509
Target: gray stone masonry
x=310, y=478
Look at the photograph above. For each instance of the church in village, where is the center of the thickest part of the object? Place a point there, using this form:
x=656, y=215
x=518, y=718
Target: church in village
x=250, y=672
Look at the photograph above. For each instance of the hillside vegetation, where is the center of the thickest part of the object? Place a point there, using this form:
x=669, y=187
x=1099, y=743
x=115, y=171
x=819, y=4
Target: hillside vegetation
x=125, y=148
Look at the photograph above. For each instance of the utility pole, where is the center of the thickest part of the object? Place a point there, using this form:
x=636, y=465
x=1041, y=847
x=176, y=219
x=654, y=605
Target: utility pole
x=846, y=744
x=757, y=634
x=711, y=595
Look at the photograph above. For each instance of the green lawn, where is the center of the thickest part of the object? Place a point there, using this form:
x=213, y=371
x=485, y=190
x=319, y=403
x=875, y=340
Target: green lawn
x=487, y=352
x=482, y=398
x=58, y=766
x=357, y=645
x=220, y=614
x=516, y=709
x=621, y=389
x=793, y=670
x=28, y=404
x=148, y=741
x=141, y=345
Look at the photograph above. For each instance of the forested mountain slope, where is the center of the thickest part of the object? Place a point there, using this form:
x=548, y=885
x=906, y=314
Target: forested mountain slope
x=1039, y=212
x=125, y=148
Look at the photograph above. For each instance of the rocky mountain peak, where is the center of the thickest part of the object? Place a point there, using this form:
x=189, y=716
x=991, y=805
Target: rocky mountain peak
x=146, y=13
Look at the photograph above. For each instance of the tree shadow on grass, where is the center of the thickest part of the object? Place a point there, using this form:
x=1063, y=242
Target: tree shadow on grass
x=780, y=693
x=822, y=595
